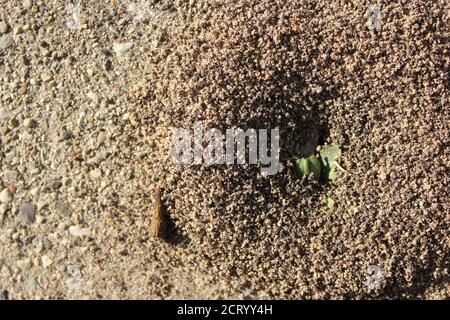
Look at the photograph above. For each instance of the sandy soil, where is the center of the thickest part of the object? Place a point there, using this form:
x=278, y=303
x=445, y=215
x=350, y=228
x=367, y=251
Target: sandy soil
x=89, y=93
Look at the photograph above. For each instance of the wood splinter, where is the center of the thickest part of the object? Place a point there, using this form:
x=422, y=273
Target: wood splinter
x=157, y=225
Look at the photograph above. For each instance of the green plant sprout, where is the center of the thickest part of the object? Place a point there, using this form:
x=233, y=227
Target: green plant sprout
x=324, y=170
x=309, y=165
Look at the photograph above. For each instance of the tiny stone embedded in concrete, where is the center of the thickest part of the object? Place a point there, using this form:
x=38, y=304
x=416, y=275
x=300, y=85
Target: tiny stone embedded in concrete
x=27, y=212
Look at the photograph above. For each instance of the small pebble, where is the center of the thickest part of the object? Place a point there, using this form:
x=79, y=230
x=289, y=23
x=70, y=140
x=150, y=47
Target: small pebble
x=6, y=271
x=91, y=95
x=29, y=285
x=5, y=41
x=4, y=130
x=6, y=196
x=23, y=90
x=3, y=210
x=27, y=212
x=27, y=4
x=96, y=173
x=46, y=261
x=17, y=30
x=3, y=27
x=47, y=244
x=121, y=48
x=28, y=123
x=40, y=219
x=46, y=77
x=35, y=192
x=78, y=232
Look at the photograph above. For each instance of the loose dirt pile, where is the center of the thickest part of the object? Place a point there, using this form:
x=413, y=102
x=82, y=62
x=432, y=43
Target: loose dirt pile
x=317, y=72
x=322, y=72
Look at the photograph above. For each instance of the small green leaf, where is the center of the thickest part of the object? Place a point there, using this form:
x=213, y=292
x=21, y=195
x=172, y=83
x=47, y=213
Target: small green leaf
x=308, y=165
x=329, y=155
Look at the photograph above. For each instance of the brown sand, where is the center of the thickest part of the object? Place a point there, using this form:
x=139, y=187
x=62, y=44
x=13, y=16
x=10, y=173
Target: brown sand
x=317, y=72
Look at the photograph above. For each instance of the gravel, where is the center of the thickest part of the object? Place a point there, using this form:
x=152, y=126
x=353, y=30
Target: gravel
x=27, y=212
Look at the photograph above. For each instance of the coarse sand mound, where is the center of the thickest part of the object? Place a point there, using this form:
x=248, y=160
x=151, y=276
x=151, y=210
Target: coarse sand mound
x=316, y=71
x=87, y=109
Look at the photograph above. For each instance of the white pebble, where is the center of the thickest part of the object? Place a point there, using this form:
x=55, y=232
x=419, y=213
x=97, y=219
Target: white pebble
x=121, y=48
x=78, y=232
x=6, y=196
x=46, y=261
